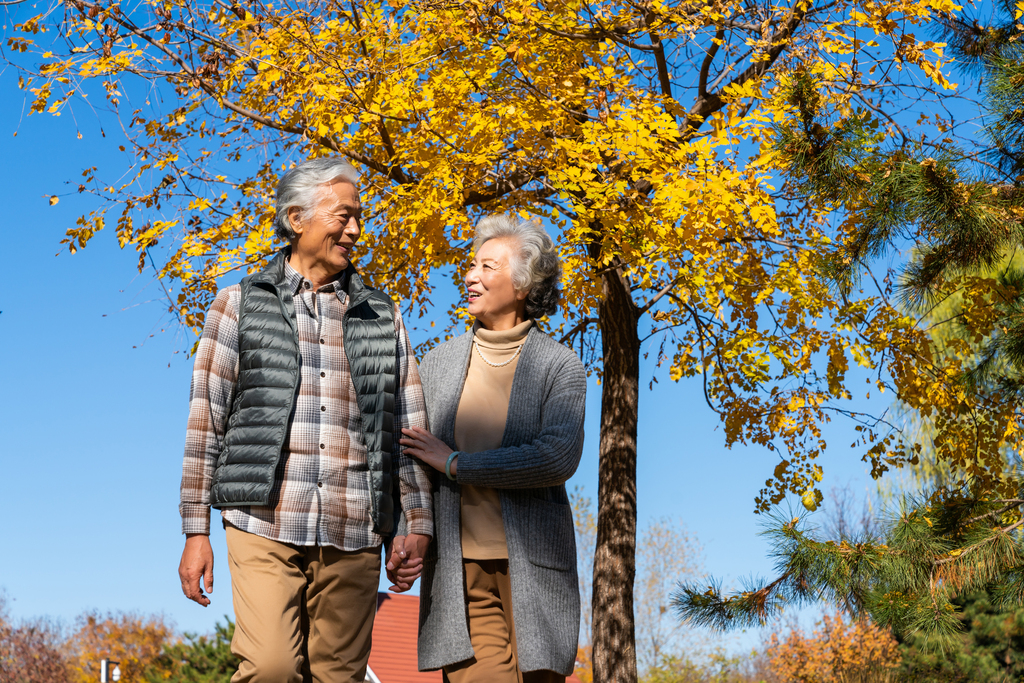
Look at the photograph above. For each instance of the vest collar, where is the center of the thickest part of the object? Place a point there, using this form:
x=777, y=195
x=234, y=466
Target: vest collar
x=354, y=287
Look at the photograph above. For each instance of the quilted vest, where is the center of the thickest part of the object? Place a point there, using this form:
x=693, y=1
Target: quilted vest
x=268, y=380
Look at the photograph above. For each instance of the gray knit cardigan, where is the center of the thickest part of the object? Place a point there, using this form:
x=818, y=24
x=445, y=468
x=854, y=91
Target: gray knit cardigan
x=539, y=451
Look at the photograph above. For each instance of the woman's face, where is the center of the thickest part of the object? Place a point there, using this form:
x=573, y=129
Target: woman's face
x=490, y=295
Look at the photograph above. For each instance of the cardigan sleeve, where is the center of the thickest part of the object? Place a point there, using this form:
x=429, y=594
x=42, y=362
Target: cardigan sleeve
x=554, y=454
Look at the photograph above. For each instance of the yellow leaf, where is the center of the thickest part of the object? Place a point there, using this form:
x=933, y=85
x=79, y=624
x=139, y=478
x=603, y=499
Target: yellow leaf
x=811, y=499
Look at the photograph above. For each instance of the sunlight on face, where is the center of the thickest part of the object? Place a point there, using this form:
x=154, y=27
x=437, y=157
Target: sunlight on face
x=490, y=295
x=326, y=240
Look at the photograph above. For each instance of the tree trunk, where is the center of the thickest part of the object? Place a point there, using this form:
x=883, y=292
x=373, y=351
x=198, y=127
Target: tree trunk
x=614, y=653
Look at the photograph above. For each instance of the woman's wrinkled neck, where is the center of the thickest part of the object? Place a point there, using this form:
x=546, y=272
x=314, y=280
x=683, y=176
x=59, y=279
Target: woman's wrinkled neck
x=499, y=338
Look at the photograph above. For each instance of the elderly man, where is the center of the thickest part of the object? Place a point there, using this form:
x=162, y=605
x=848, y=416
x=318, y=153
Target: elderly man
x=303, y=380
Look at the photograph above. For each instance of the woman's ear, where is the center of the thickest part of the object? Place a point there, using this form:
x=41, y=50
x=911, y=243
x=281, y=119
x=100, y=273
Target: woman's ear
x=520, y=295
x=295, y=219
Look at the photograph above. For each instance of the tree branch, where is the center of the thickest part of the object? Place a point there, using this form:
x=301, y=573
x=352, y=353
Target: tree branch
x=664, y=78
x=498, y=188
x=1009, y=505
x=394, y=173
x=596, y=35
x=969, y=549
x=789, y=244
x=713, y=102
x=661, y=293
x=709, y=58
x=580, y=327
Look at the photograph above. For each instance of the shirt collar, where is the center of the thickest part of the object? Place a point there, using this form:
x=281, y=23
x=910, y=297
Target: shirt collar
x=298, y=284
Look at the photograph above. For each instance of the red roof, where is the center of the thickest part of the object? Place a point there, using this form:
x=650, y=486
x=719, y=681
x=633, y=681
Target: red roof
x=393, y=656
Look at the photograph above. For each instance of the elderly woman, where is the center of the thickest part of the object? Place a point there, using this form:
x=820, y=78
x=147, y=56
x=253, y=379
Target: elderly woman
x=500, y=600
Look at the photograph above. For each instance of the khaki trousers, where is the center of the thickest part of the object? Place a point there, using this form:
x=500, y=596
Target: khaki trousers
x=492, y=630
x=302, y=613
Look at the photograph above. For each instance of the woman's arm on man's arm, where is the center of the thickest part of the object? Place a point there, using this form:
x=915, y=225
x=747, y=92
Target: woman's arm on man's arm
x=553, y=456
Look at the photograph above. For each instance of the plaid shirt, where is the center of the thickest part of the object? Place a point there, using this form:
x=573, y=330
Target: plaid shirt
x=321, y=493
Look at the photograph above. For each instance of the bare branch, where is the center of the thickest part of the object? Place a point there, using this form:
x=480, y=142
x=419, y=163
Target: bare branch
x=654, y=299
x=578, y=328
x=659, y=58
x=713, y=102
x=709, y=58
x=789, y=244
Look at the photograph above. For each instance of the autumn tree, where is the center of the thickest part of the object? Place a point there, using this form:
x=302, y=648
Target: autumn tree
x=585, y=528
x=31, y=651
x=666, y=553
x=136, y=642
x=838, y=651
x=636, y=130
x=719, y=667
x=959, y=212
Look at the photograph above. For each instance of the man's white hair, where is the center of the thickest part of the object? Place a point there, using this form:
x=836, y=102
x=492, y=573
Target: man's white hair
x=304, y=186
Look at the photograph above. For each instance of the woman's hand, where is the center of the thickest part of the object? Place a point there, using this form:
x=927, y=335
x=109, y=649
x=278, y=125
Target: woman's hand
x=405, y=562
x=424, y=446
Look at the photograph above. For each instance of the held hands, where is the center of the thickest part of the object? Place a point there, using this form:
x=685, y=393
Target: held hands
x=196, y=564
x=423, y=445
x=404, y=566
x=405, y=562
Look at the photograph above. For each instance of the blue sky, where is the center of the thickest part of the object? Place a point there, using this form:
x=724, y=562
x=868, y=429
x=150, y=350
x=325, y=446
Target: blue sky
x=94, y=404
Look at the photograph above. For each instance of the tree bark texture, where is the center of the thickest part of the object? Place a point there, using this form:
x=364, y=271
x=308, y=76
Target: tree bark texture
x=614, y=638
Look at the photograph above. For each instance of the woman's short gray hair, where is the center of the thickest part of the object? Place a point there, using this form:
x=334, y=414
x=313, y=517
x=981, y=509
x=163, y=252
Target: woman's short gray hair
x=535, y=264
x=303, y=186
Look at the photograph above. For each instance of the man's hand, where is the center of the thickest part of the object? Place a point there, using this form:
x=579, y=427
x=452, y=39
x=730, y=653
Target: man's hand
x=196, y=564
x=405, y=563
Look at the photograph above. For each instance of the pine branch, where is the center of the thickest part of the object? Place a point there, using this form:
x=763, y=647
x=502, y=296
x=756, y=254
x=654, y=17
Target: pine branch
x=933, y=549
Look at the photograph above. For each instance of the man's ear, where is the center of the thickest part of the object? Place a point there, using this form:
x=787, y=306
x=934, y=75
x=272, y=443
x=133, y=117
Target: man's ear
x=295, y=219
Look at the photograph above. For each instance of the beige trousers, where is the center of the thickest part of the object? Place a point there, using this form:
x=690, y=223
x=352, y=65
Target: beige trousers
x=302, y=613
x=492, y=630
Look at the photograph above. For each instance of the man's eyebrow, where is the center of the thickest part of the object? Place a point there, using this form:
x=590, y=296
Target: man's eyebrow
x=342, y=207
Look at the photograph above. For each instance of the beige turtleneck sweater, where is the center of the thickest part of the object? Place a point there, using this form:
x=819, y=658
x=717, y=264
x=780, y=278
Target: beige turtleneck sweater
x=480, y=426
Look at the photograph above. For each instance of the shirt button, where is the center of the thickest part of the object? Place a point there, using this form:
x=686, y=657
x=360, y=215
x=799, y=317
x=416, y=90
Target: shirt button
x=323, y=408
x=323, y=374
x=319, y=484
x=322, y=341
x=305, y=284
x=321, y=446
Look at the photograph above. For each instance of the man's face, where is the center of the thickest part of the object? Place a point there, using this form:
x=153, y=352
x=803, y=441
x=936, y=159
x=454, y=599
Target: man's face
x=327, y=238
